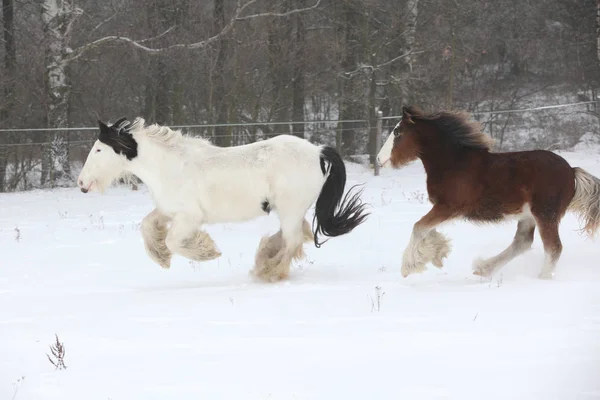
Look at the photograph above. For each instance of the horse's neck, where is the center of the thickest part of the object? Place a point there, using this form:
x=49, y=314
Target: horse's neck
x=152, y=164
x=437, y=159
x=441, y=161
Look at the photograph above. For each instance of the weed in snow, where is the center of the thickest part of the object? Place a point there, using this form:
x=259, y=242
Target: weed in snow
x=58, y=351
x=100, y=225
x=376, y=303
x=194, y=265
x=307, y=263
x=17, y=384
x=416, y=195
x=385, y=202
x=18, y=235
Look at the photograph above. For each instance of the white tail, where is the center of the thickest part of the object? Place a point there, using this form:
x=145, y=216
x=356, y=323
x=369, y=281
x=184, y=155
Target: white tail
x=586, y=202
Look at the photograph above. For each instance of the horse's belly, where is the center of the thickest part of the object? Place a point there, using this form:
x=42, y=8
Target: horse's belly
x=233, y=211
x=235, y=205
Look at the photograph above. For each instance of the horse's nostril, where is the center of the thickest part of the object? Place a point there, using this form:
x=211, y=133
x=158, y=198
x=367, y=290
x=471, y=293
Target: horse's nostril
x=80, y=182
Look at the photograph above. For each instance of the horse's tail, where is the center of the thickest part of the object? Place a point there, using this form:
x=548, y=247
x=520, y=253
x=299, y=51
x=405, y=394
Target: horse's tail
x=586, y=201
x=329, y=221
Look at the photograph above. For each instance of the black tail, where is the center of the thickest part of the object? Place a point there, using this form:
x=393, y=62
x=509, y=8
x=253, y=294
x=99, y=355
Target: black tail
x=350, y=214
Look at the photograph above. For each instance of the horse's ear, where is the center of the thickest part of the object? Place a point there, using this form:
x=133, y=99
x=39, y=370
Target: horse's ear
x=103, y=127
x=407, y=115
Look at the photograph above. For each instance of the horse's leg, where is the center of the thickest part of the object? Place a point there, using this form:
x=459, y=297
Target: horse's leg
x=154, y=232
x=440, y=247
x=521, y=243
x=186, y=239
x=276, y=252
x=552, y=246
x=307, y=232
x=422, y=247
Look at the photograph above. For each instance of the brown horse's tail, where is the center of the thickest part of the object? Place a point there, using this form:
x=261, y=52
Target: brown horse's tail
x=586, y=202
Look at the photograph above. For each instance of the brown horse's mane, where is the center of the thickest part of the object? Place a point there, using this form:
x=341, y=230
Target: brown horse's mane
x=456, y=125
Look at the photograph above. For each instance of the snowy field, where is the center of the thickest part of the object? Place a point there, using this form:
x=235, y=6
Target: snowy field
x=74, y=265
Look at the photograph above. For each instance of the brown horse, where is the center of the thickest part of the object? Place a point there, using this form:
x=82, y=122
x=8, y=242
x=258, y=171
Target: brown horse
x=466, y=180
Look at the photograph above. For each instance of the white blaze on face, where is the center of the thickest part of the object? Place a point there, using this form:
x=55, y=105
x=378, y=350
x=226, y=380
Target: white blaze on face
x=383, y=157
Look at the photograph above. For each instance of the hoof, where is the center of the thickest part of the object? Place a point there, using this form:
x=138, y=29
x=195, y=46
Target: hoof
x=269, y=278
x=164, y=260
x=409, y=269
x=546, y=276
x=481, y=268
x=438, y=261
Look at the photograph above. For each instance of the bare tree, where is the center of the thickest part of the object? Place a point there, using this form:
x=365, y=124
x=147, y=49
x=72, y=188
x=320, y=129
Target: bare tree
x=10, y=65
x=221, y=98
x=299, y=72
x=598, y=31
x=58, y=17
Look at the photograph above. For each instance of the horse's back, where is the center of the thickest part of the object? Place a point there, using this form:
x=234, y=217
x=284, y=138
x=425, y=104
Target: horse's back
x=277, y=172
x=541, y=178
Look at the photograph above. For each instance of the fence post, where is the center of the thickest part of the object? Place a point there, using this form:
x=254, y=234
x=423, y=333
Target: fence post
x=378, y=140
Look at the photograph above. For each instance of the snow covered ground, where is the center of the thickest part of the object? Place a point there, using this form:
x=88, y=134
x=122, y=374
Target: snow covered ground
x=74, y=265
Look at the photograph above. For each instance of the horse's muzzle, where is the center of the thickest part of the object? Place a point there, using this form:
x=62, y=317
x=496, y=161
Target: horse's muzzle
x=84, y=190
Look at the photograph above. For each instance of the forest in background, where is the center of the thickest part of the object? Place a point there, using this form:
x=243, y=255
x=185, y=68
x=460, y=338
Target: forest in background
x=67, y=63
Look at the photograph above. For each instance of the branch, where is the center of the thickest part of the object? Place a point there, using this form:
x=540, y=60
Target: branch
x=376, y=67
x=157, y=36
x=99, y=25
x=240, y=8
x=284, y=14
x=393, y=60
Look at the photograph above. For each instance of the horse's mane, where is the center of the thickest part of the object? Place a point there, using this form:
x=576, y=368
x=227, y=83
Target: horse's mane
x=456, y=125
x=161, y=133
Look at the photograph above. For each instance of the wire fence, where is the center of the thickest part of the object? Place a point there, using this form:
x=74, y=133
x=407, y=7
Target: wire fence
x=22, y=150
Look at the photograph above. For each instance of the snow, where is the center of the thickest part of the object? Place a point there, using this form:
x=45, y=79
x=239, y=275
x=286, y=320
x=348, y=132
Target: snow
x=209, y=331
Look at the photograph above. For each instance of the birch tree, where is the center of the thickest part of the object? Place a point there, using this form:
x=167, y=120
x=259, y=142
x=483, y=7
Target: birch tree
x=58, y=17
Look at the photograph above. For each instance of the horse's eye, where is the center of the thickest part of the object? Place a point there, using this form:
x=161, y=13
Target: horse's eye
x=98, y=150
x=396, y=132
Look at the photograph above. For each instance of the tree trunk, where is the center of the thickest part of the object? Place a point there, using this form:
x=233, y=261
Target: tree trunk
x=372, y=119
x=404, y=67
x=223, y=136
x=163, y=92
x=351, y=100
x=280, y=38
x=58, y=17
x=10, y=69
x=162, y=15
x=299, y=71
x=598, y=31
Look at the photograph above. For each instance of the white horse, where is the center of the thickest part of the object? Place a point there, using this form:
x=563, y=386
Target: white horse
x=194, y=182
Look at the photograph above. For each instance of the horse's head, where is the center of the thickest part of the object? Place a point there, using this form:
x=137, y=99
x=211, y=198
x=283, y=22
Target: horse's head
x=401, y=147
x=108, y=157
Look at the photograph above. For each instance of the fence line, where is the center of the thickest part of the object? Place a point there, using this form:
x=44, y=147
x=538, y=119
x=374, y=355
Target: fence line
x=91, y=140
x=518, y=110
x=241, y=124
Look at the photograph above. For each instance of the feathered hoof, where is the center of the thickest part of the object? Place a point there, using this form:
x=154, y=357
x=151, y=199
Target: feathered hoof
x=442, y=250
x=482, y=268
x=545, y=275
x=269, y=277
x=162, y=258
x=413, y=268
